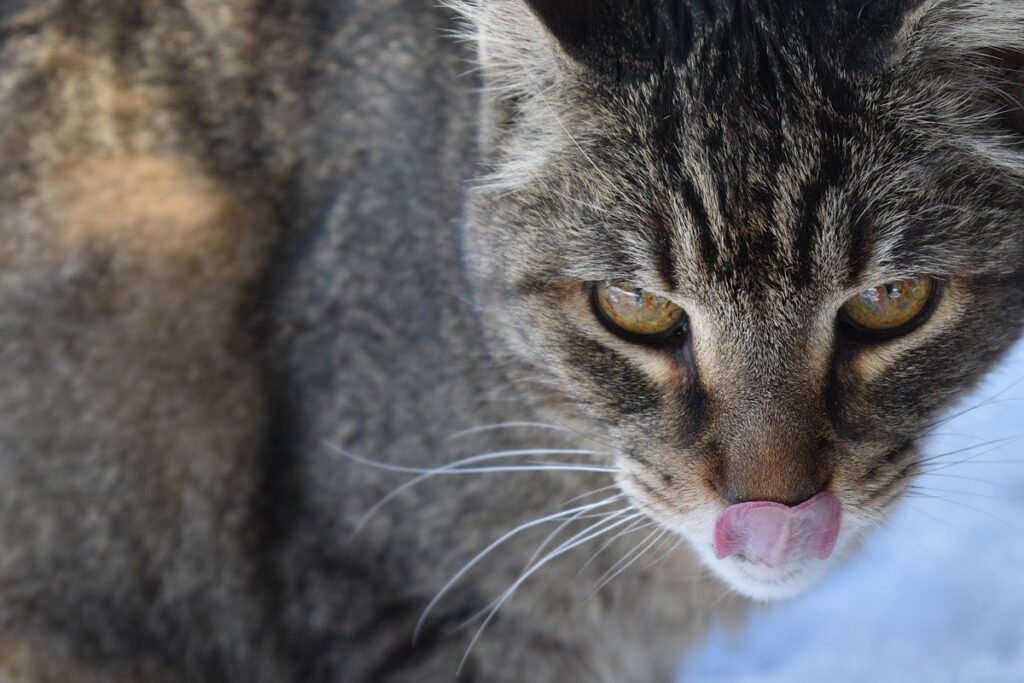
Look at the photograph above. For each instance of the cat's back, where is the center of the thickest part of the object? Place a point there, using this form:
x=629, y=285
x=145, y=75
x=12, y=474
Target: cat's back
x=208, y=211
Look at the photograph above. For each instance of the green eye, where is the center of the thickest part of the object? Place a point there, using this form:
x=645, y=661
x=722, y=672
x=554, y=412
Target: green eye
x=891, y=309
x=637, y=314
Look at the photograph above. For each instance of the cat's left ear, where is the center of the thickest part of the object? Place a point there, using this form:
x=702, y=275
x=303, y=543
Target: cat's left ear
x=967, y=58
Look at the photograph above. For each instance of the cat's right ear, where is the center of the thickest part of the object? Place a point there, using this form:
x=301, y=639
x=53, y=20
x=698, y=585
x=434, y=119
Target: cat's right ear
x=517, y=54
x=605, y=35
x=572, y=22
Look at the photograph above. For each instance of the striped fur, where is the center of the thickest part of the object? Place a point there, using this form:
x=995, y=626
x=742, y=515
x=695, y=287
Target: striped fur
x=248, y=247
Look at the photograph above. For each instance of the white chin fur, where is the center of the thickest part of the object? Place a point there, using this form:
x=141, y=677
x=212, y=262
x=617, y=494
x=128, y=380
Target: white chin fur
x=764, y=583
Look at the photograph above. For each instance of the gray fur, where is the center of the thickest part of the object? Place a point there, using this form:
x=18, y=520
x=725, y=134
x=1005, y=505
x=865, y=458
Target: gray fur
x=245, y=243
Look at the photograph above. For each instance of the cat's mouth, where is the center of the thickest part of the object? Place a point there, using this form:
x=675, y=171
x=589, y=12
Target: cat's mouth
x=765, y=550
x=775, y=535
x=769, y=551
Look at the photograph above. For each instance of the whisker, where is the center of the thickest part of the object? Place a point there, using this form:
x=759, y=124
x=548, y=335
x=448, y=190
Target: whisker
x=1010, y=524
x=978, y=480
x=540, y=92
x=729, y=590
x=932, y=489
x=553, y=425
x=627, y=560
x=573, y=514
x=547, y=540
x=937, y=519
x=635, y=526
x=671, y=549
x=508, y=425
x=992, y=400
x=576, y=541
x=580, y=202
x=458, y=467
x=965, y=449
x=554, y=467
x=542, y=546
x=1001, y=461
x=616, y=514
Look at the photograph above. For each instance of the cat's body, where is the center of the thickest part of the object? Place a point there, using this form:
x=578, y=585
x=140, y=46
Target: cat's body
x=170, y=508
x=234, y=237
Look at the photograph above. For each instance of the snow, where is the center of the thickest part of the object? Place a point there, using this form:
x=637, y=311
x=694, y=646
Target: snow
x=937, y=596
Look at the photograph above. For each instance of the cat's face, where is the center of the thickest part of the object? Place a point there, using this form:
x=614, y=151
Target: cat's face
x=678, y=228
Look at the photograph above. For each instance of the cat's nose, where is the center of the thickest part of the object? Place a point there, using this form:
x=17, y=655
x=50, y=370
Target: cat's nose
x=788, y=493
x=771, y=464
x=776, y=535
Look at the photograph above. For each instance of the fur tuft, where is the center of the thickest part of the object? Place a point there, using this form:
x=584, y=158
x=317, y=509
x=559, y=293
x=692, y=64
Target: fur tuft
x=515, y=50
x=972, y=55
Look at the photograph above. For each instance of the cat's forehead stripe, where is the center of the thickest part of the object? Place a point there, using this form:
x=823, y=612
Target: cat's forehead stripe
x=707, y=245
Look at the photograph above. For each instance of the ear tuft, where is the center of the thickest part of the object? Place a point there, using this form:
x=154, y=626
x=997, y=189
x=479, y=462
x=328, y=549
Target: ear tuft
x=516, y=52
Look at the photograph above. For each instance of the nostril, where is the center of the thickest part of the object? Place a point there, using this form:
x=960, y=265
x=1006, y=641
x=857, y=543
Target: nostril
x=789, y=487
x=770, y=463
x=734, y=493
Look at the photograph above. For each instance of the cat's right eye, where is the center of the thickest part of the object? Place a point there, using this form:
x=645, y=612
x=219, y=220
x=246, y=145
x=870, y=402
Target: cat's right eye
x=637, y=314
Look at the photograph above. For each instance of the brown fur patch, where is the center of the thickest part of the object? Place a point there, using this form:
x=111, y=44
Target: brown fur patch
x=162, y=253
x=133, y=407
x=22, y=661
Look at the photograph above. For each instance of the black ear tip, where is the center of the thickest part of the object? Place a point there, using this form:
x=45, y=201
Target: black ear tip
x=618, y=35
x=601, y=32
x=570, y=21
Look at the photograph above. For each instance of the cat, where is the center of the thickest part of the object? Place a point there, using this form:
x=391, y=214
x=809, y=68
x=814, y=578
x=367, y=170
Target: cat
x=519, y=340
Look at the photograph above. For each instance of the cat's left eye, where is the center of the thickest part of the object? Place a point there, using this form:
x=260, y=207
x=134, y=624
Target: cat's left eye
x=637, y=314
x=891, y=309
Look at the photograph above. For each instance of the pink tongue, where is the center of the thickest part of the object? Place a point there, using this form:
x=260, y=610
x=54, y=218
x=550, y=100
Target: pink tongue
x=775, y=535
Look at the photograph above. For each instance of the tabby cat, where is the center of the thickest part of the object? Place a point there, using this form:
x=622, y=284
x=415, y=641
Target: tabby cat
x=377, y=341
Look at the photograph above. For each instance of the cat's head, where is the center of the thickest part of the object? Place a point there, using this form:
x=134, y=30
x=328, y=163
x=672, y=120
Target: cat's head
x=758, y=245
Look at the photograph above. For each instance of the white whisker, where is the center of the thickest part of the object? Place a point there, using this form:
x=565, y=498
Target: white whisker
x=635, y=526
x=509, y=425
x=574, y=542
x=458, y=467
x=930, y=489
x=547, y=541
x=919, y=494
x=978, y=480
x=626, y=560
x=671, y=549
x=991, y=400
x=573, y=513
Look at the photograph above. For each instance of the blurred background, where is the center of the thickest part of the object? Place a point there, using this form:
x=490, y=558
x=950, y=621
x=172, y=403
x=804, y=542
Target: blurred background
x=937, y=596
